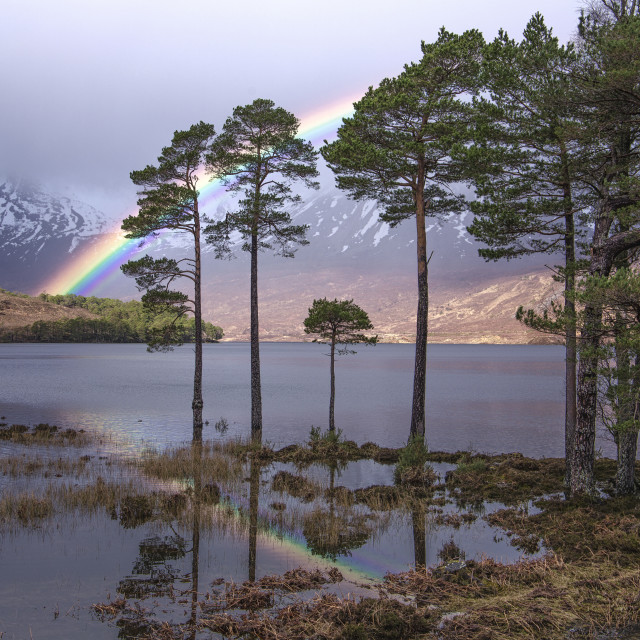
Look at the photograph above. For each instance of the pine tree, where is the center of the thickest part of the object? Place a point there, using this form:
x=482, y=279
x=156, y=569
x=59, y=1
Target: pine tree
x=609, y=80
x=396, y=149
x=523, y=166
x=259, y=155
x=169, y=200
x=337, y=322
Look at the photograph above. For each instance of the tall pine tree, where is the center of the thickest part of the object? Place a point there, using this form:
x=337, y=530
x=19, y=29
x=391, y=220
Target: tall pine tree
x=396, y=149
x=259, y=155
x=169, y=200
x=523, y=166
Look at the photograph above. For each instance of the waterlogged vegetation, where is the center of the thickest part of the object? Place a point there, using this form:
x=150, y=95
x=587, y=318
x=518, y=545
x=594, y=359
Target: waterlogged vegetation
x=238, y=540
x=337, y=540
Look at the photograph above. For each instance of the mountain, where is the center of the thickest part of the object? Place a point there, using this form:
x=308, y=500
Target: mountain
x=351, y=254
x=39, y=231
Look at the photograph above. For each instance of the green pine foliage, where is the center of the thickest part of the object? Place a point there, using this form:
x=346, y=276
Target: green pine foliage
x=397, y=149
x=338, y=322
x=259, y=155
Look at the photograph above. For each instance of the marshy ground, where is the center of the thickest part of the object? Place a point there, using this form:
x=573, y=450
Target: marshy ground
x=573, y=569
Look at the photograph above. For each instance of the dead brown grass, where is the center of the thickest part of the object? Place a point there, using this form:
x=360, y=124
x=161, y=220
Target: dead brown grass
x=179, y=463
x=44, y=434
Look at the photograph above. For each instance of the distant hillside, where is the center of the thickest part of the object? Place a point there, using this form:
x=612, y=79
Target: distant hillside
x=20, y=310
x=71, y=318
x=470, y=311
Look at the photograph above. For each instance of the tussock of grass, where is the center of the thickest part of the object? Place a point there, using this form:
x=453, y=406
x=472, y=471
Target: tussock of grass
x=44, y=433
x=181, y=463
x=261, y=593
x=509, y=478
x=325, y=616
x=327, y=451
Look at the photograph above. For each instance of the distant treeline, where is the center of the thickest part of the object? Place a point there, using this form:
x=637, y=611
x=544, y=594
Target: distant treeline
x=118, y=322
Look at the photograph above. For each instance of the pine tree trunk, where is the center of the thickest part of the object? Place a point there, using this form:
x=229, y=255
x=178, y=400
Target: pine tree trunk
x=627, y=442
x=417, y=429
x=197, y=376
x=583, y=450
x=332, y=396
x=582, y=461
x=195, y=537
x=570, y=413
x=627, y=438
x=256, y=393
x=570, y=332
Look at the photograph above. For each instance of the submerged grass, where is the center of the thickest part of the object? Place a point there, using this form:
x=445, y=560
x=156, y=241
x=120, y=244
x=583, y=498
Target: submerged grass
x=16, y=466
x=128, y=501
x=44, y=433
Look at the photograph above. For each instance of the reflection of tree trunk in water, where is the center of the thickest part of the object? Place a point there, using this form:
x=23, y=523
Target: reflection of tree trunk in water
x=254, y=490
x=419, y=536
x=195, y=537
x=332, y=481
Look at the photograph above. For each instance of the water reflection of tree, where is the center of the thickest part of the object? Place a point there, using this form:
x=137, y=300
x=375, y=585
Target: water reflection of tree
x=418, y=521
x=338, y=530
x=195, y=534
x=153, y=575
x=254, y=494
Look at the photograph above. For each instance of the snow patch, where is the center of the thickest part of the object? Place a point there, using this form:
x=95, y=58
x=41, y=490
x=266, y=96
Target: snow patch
x=370, y=222
x=333, y=231
x=75, y=241
x=381, y=233
x=366, y=209
x=462, y=233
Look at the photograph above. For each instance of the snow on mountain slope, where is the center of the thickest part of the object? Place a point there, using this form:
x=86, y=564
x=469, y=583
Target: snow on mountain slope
x=39, y=232
x=352, y=253
x=30, y=217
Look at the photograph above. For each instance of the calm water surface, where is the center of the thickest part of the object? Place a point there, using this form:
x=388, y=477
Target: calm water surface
x=491, y=398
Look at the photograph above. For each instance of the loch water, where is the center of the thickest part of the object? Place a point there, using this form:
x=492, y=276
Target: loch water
x=489, y=398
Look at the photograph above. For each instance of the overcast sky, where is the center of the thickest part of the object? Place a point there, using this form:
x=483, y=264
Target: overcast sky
x=91, y=89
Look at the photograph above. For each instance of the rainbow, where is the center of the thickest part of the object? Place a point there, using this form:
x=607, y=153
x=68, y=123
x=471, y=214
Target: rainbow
x=99, y=263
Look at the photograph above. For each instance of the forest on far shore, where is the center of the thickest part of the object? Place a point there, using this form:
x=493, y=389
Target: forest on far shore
x=114, y=321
